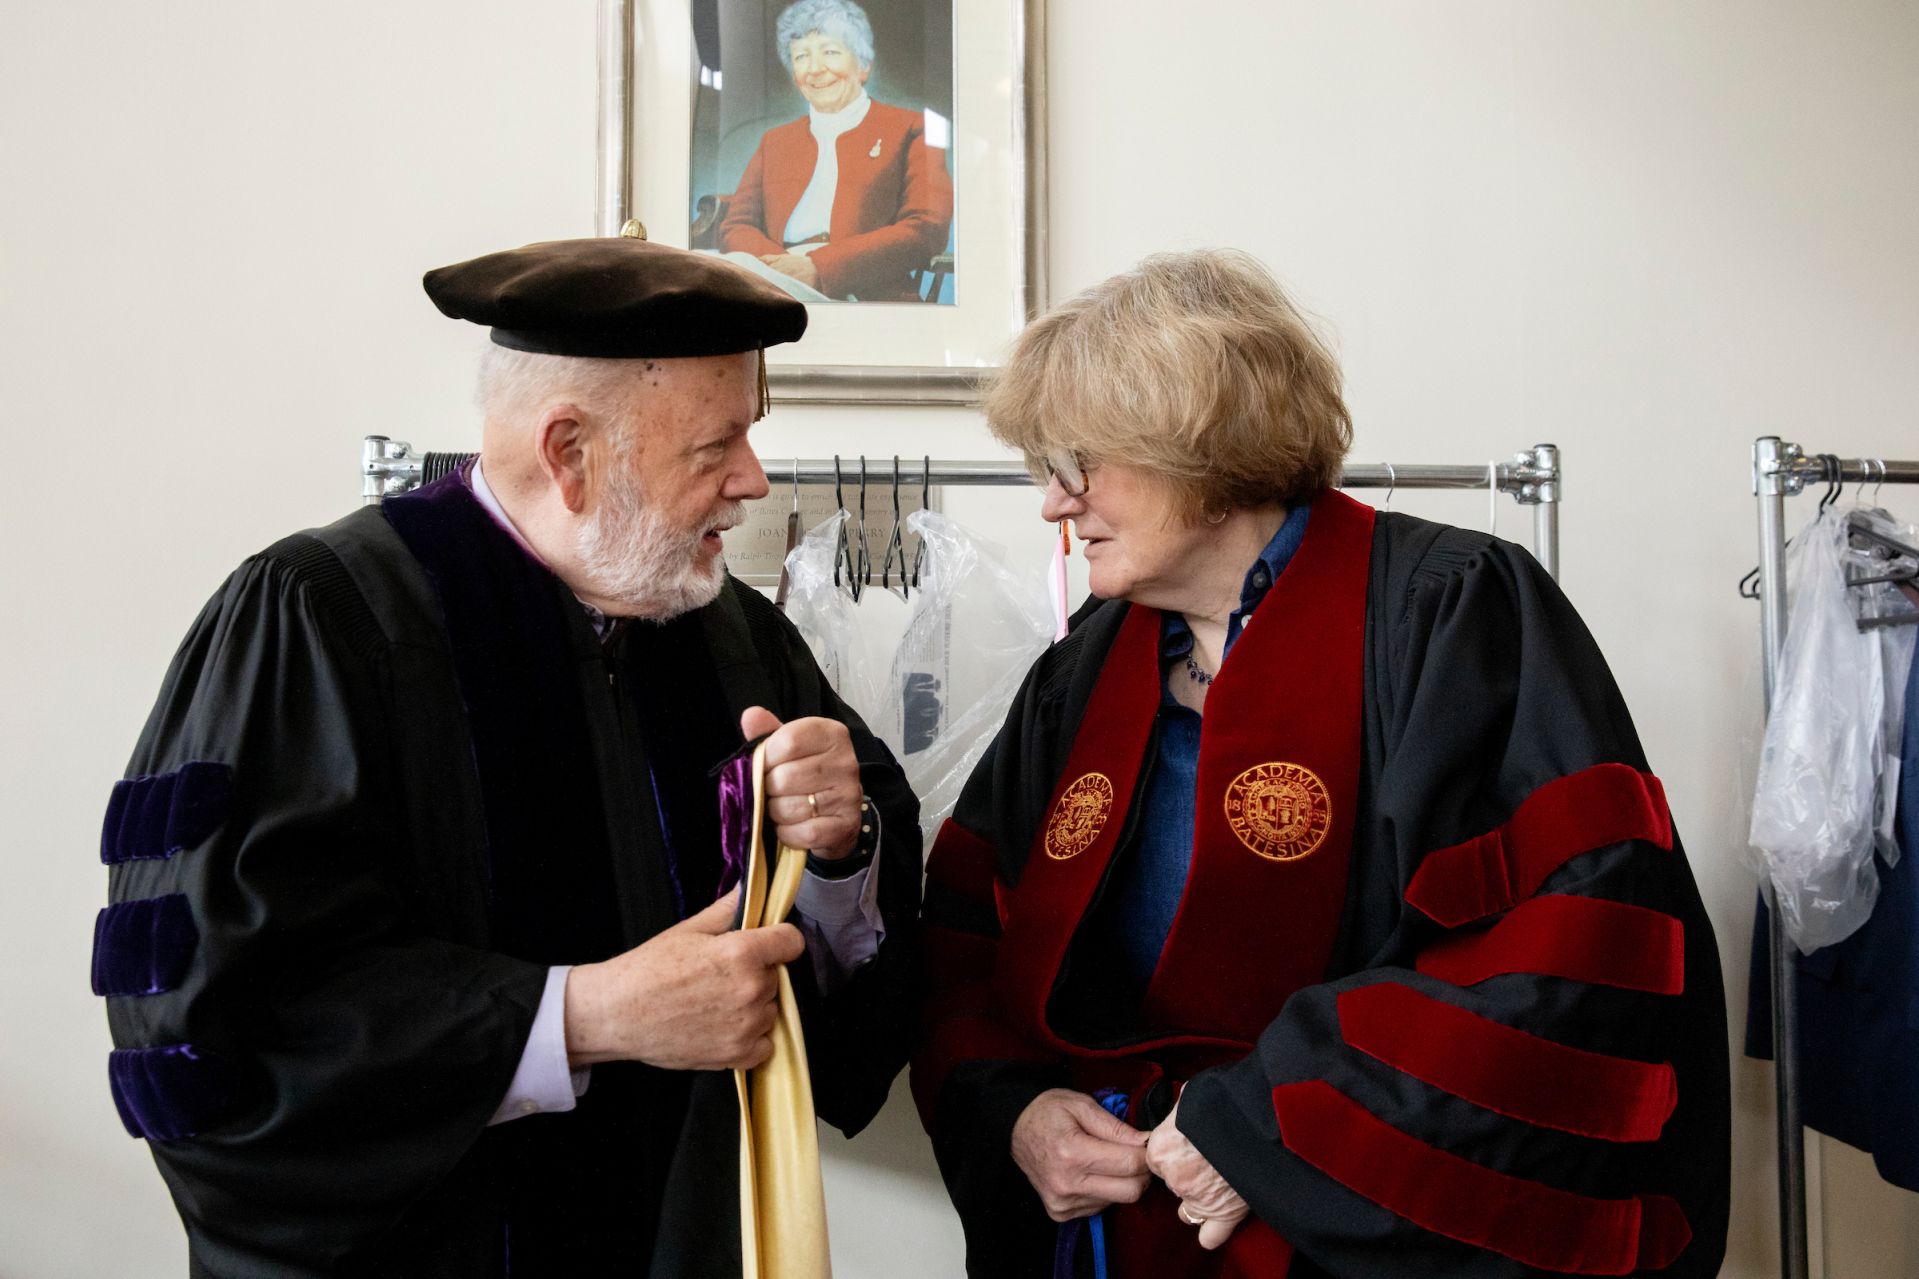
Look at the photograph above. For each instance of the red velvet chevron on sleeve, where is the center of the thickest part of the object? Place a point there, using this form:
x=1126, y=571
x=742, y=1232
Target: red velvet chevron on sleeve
x=1493, y=872
x=1508, y=1071
x=1577, y=938
x=1532, y=1223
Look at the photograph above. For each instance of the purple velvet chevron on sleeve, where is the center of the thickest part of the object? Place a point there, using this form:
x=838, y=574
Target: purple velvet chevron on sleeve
x=172, y=1091
x=143, y=947
x=154, y=817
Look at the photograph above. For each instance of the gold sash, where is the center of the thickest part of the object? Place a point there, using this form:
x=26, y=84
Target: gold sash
x=782, y=1205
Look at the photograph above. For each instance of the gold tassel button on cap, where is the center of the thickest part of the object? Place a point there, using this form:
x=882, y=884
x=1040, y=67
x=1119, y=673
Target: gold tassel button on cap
x=633, y=229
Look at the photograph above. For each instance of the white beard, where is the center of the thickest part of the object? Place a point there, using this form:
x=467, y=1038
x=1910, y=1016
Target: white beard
x=631, y=555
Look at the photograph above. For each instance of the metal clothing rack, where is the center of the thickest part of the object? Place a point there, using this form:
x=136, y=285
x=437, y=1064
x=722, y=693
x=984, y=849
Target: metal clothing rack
x=1781, y=470
x=1533, y=477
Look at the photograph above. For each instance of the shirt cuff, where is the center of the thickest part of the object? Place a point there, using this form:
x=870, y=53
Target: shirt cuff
x=544, y=1083
x=840, y=919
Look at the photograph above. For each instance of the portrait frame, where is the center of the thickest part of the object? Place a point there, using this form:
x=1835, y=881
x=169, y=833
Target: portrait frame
x=901, y=353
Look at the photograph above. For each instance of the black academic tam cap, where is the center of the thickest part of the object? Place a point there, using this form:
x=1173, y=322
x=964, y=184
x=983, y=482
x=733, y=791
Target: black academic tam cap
x=616, y=297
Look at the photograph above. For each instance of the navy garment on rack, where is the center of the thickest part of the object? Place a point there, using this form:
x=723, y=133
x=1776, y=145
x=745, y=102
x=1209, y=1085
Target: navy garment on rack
x=1859, y=1005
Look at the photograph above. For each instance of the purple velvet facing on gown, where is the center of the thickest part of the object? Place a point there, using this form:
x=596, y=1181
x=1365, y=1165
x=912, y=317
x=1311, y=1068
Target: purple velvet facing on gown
x=736, y=818
x=546, y=859
x=149, y=818
x=143, y=947
x=170, y=1092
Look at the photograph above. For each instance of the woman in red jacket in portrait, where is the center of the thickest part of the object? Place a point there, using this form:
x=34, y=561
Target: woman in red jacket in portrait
x=849, y=199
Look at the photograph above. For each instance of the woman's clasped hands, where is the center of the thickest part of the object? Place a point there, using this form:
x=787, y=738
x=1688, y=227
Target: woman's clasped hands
x=1080, y=1159
x=1205, y=1200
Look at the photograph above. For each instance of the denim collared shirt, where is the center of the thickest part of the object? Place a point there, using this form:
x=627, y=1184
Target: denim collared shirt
x=1143, y=895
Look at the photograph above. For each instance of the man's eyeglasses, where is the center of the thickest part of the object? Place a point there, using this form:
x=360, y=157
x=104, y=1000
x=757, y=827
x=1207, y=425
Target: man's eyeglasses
x=1067, y=467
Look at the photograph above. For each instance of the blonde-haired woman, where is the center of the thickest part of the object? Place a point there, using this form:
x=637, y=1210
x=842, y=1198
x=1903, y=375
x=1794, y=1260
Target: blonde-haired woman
x=1314, y=912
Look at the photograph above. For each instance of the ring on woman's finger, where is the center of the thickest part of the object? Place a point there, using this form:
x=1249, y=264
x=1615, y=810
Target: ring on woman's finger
x=1190, y=1217
x=813, y=802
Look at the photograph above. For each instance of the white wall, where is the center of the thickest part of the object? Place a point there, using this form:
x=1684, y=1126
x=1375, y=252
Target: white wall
x=1646, y=231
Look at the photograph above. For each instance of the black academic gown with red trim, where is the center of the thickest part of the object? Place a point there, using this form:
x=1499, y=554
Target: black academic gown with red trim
x=1509, y=1055
x=391, y=777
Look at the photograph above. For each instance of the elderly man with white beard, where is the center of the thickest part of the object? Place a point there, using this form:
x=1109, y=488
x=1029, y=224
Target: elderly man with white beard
x=420, y=955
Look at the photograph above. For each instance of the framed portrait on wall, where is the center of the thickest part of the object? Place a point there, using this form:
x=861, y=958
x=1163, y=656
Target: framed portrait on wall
x=881, y=160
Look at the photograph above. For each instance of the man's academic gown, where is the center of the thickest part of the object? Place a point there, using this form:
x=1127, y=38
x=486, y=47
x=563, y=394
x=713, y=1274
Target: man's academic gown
x=394, y=775
x=1507, y=1054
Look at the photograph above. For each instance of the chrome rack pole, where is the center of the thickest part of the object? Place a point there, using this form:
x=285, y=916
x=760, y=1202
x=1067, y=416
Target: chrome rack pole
x=383, y=469
x=1546, y=508
x=1426, y=475
x=823, y=471
x=1856, y=470
x=1774, y=475
x=1533, y=477
x=389, y=467
x=1781, y=470
x=1370, y=476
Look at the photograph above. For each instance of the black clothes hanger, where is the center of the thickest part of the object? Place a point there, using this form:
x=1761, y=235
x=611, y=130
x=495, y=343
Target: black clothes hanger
x=1834, y=485
x=842, y=547
x=926, y=503
x=865, y=557
x=895, y=547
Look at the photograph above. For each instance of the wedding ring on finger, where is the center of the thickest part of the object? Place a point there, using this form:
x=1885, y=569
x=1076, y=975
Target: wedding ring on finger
x=813, y=802
x=1190, y=1217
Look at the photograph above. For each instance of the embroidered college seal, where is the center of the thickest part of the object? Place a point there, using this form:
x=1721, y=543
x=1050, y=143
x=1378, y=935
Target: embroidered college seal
x=1280, y=811
x=1079, y=816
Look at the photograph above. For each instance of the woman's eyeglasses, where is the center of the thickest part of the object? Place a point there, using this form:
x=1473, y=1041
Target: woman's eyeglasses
x=1066, y=467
